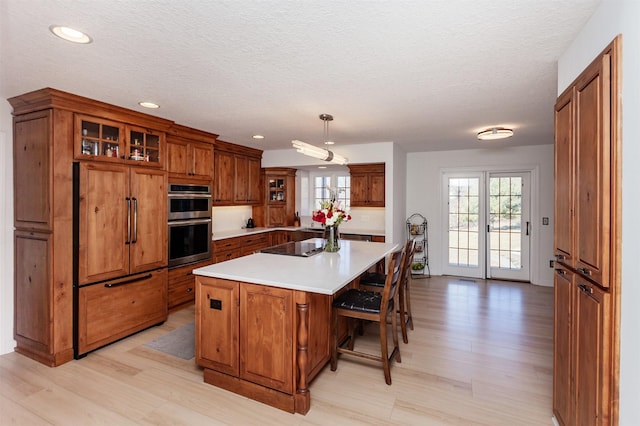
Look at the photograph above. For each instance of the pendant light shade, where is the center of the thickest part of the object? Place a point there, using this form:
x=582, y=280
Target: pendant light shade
x=317, y=152
x=495, y=133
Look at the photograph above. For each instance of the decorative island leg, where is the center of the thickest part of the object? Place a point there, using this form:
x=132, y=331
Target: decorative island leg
x=302, y=396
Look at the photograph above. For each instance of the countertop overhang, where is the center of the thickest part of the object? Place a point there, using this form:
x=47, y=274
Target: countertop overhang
x=325, y=273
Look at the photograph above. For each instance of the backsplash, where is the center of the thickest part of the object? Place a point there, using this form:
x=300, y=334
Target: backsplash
x=230, y=218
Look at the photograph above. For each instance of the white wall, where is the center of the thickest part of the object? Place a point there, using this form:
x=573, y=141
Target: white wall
x=423, y=192
x=620, y=17
x=6, y=227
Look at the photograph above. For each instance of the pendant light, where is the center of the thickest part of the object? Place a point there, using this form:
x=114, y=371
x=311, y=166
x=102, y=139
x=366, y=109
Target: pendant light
x=317, y=152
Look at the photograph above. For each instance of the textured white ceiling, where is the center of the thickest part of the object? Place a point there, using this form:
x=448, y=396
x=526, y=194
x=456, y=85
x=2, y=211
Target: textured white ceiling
x=425, y=74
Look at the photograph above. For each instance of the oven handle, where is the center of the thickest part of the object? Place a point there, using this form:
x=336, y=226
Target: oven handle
x=190, y=196
x=188, y=222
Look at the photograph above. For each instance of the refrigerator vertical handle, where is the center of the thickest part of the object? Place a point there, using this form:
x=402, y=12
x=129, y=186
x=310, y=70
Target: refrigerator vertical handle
x=528, y=228
x=135, y=220
x=128, y=220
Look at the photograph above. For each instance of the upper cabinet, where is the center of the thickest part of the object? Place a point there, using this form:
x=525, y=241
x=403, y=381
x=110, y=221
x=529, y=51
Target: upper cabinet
x=587, y=171
x=190, y=153
x=280, y=202
x=236, y=175
x=247, y=179
x=107, y=140
x=367, y=185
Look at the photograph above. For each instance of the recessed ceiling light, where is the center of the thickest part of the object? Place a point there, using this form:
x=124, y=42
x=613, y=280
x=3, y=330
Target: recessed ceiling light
x=322, y=167
x=258, y=137
x=495, y=133
x=329, y=143
x=148, y=105
x=70, y=34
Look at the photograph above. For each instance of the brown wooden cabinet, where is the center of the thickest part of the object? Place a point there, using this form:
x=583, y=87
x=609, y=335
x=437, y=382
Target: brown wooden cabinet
x=190, y=153
x=111, y=310
x=230, y=340
x=587, y=245
x=48, y=140
x=564, y=179
x=182, y=286
x=100, y=139
x=247, y=180
x=263, y=342
x=279, y=206
x=367, y=185
x=564, y=290
x=123, y=221
x=231, y=248
x=281, y=237
x=223, y=178
x=236, y=178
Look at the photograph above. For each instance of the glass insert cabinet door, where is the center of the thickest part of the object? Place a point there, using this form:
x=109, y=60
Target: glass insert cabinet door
x=99, y=138
x=277, y=190
x=105, y=140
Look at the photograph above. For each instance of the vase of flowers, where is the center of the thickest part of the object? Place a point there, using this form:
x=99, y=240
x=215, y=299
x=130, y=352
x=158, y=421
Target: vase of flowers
x=331, y=215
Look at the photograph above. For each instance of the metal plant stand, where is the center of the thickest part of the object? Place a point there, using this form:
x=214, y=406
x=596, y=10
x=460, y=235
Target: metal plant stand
x=417, y=229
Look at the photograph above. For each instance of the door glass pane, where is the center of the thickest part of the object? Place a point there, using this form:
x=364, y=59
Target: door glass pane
x=505, y=222
x=464, y=221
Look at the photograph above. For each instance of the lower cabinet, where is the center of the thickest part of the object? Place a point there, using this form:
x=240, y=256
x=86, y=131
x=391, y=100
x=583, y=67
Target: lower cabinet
x=246, y=331
x=582, y=355
x=182, y=286
x=230, y=248
x=112, y=310
x=266, y=343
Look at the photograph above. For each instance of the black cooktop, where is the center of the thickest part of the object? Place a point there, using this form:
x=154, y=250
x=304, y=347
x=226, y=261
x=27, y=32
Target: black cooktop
x=298, y=248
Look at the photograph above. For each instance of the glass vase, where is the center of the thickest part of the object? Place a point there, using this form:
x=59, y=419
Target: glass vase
x=331, y=239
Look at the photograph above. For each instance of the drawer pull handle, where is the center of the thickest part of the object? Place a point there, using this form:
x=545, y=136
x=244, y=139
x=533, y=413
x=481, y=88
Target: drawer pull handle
x=585, y=288
x=189, y=290
x=131, y=281
x=560, y=257
x=585, y=271
x=561, y=272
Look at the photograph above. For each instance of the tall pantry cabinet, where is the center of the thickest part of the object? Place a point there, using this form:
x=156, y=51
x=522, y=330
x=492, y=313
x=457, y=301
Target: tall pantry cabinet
x=587, y=245
x=90, y=252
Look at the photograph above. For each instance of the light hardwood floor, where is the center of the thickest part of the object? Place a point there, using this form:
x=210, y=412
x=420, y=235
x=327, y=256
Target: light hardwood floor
x=480, y=354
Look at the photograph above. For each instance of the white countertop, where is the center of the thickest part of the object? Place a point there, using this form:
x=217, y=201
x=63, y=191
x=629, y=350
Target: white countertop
x=323, y=273
x=221, y=235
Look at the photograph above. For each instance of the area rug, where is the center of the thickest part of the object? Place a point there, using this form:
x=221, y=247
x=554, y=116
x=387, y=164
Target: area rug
x=179, y=343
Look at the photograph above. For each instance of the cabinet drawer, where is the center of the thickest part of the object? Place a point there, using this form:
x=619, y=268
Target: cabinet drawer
x=181, y=292
x=254, y=243
x=116, y=309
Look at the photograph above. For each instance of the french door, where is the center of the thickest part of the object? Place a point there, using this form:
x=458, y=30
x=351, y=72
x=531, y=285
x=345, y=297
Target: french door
x=488, y=225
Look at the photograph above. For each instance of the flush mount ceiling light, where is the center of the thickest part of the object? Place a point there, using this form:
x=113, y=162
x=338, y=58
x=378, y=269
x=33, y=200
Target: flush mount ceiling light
x=70, y=34
x=320, y=153
x=495, y=133
x=148, y=105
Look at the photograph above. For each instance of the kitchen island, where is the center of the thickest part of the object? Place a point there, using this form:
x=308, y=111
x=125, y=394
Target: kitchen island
x=263, y=321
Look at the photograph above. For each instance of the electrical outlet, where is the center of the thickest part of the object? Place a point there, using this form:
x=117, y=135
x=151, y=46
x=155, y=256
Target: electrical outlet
x=551, y=263
x=545, y=220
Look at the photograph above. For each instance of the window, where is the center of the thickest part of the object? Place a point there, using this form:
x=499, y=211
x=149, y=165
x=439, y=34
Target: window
x=342, y=183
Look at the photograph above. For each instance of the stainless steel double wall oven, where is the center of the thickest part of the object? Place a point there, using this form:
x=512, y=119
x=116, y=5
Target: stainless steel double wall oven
x=189, y=223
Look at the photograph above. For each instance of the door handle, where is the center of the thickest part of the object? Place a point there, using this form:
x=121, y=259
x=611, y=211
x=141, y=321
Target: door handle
x=128, y=220
x=135, y=220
